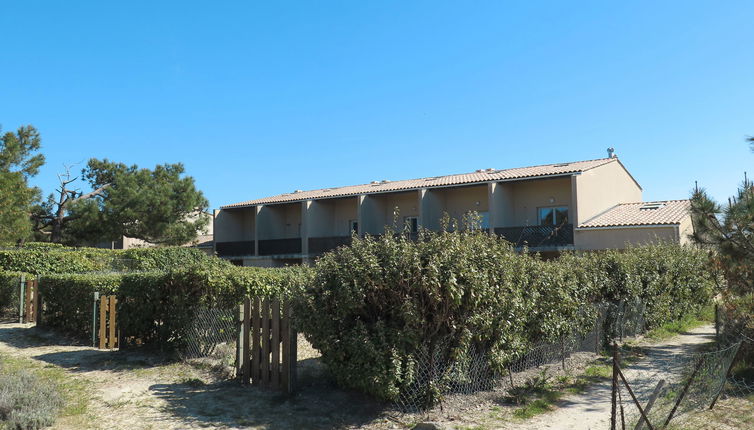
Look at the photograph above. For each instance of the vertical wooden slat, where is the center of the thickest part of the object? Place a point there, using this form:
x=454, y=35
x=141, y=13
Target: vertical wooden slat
x=255, y=340
x=113, y=320
x=239, y=343
x=275, y=365
x=102, y=320
x=245, y=358
x=266, y=342
x=286, y=346
x=37, y=302
x=27, y=300
x=293, y=353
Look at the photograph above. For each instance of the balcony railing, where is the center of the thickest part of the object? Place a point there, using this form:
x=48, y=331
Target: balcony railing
x=280, y=246
x=537, y=236
x=319, y=245
x=227, y=249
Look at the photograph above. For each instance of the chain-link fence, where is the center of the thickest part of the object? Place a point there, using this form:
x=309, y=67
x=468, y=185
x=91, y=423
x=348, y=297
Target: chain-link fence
x=667, y=384
x=441, y=374
x=212, y=339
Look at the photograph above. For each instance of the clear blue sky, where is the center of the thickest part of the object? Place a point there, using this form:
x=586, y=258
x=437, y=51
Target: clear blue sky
x=261, y=98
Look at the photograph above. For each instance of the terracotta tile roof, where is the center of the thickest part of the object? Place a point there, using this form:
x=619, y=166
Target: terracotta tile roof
x=668, y=212
x=480, y=176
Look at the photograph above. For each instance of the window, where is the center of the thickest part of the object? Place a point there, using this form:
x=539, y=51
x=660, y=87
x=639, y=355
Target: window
x=353, y=226
x=411, y=223
x=553, y=215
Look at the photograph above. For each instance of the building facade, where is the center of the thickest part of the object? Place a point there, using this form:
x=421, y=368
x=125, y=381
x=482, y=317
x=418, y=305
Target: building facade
x=584, y=205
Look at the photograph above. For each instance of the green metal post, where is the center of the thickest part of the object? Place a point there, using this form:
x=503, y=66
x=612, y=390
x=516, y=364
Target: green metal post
x=94, y=319
x=21, y=300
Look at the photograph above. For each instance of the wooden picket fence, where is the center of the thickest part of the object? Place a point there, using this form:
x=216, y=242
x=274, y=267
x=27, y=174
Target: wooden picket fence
x=29, y=306
x=267, y=344
x=108, y=322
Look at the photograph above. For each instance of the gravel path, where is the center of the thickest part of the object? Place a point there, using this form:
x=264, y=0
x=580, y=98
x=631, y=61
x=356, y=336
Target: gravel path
x=591, y=410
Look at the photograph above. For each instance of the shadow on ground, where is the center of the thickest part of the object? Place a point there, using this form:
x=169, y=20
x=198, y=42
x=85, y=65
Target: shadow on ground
x=317, y=404
x=83, y=358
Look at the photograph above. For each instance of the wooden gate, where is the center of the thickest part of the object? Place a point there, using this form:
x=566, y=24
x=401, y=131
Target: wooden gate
x=108, y=317
x=29, y=295
x=267, y=344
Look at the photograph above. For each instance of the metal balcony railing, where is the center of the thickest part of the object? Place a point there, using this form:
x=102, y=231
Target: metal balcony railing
x=280, y=246
x=319, y=245
x=235, y=249
x=536, y=236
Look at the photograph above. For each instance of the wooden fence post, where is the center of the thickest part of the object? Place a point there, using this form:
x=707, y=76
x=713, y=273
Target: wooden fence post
x=37, y=302
x=292, y=355
x=102, y=321
x=21, y=301
x=266, y=342
x=113, y=321
x=256, y=357
x=27, y=300
x=245, y=361
x=275, y=364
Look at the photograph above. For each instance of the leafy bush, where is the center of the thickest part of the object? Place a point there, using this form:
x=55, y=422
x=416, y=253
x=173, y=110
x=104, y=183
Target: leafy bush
x=68, y=299
x=9, y=289
x=168, y=258
x=158, y=308
x=52, y=259
x=672, y=281
x=372, y=306
x=26, y=402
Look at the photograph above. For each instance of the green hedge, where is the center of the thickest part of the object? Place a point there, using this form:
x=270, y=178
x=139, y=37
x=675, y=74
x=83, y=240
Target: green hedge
x=9, y=289
x=44, y=258
x=157, y=307
x=67, y=299
x=671, y=280
x=374, y=305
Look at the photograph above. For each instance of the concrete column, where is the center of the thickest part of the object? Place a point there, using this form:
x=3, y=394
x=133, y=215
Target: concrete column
x=431, y=210
x=257, y=209
x=574, y=207
x=305, y=225
x=501, y=204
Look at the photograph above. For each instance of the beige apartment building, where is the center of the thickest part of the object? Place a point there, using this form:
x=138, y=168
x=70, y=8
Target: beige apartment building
x=583, y=205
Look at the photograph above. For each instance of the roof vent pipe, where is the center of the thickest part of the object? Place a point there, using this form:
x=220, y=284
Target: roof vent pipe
x=611, y=152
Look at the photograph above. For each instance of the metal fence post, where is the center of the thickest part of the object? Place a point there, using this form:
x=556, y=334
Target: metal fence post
x=94, y=319
x=21, y=299
x=614, y=400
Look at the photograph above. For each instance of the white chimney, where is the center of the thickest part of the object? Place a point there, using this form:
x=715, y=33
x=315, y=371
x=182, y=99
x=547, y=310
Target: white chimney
x=611, y=152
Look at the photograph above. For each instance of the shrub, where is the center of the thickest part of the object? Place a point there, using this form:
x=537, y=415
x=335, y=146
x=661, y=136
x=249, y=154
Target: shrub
x=671, y=280
x=168, y=258
x=56, y=259
x=158, y=308
x=373, y=306
x=9, y=289
x=26, y=402
x=68, y=299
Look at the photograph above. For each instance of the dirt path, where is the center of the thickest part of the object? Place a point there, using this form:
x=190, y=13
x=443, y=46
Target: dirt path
x=132, y=390
x=591, y=410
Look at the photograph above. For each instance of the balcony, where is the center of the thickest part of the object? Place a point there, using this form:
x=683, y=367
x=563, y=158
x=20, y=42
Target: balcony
x=280, y=246
x=235, y=249
x=538, y=236
x=320, y=245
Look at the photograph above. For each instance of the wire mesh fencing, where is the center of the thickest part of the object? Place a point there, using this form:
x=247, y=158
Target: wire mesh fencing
x=212, y=338
x=442, y=374
x=667, y=385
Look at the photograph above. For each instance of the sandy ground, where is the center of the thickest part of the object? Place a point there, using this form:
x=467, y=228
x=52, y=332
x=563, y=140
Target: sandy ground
x=591, y=410
x=132, y=390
